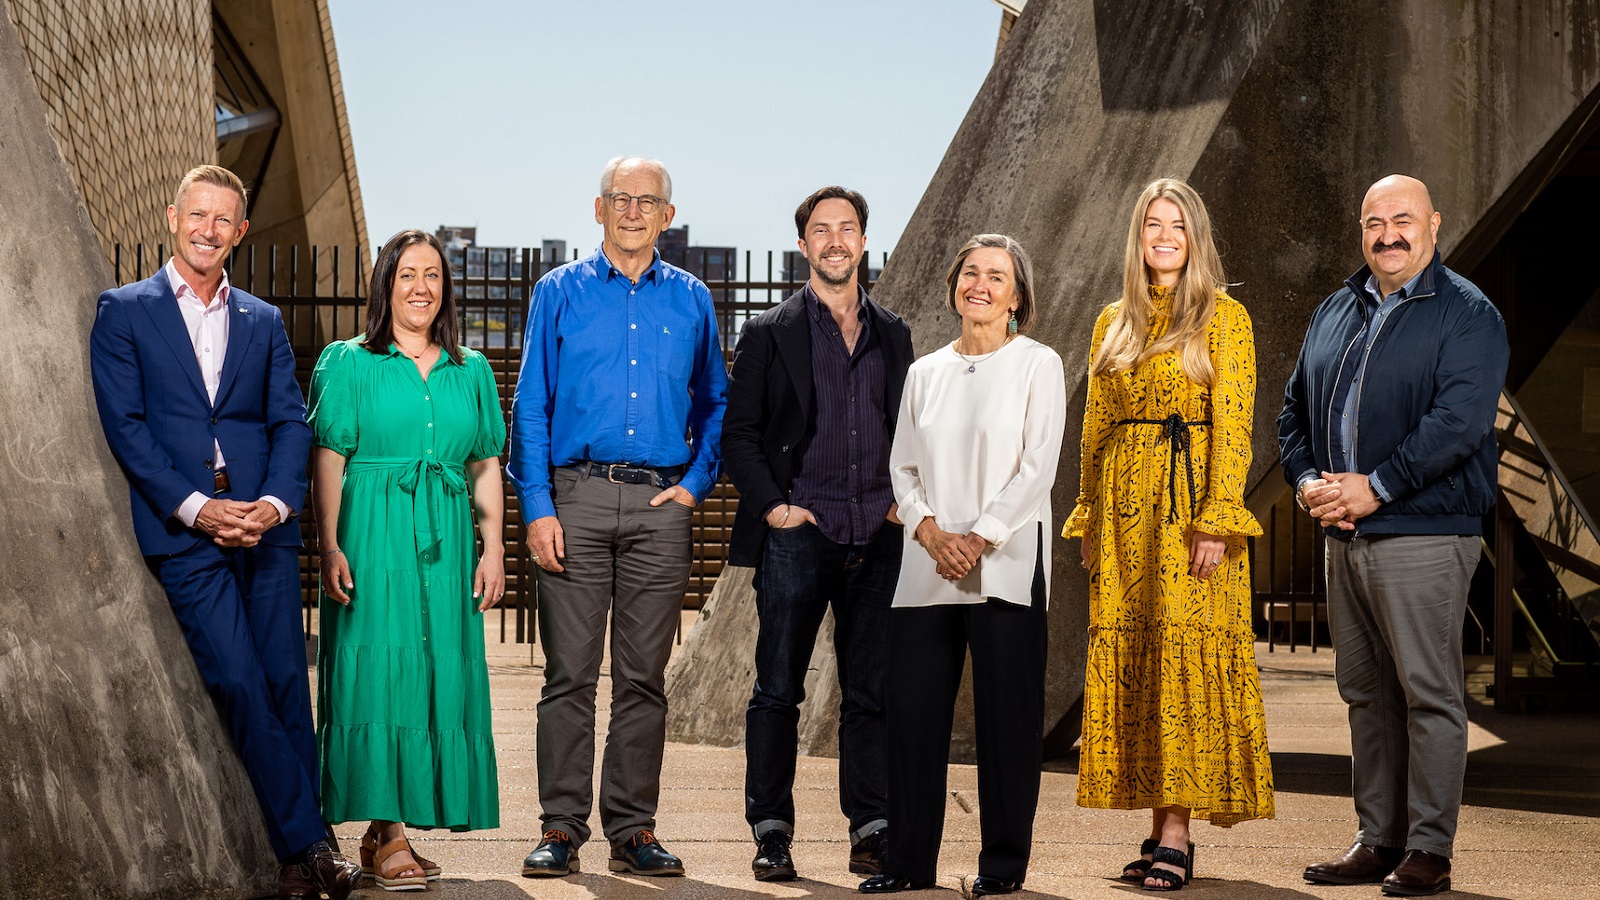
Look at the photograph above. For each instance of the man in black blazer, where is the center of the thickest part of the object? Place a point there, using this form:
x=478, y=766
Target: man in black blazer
x=812, y=406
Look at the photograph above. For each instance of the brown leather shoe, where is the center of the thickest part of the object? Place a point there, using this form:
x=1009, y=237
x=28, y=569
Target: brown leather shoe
x=294, y=883
x=1419, y=874
x=323, y=874
x=1361, y=864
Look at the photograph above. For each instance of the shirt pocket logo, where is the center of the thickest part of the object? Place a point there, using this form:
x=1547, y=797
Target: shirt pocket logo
x=675, y=353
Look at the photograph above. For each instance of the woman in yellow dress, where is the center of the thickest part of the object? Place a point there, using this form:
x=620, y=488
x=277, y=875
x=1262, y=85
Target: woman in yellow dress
x=1172, y=713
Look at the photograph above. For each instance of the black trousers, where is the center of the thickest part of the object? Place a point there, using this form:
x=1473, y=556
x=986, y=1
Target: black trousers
x=927, y=651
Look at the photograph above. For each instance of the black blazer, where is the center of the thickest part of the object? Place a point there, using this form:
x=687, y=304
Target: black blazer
x=771, y=408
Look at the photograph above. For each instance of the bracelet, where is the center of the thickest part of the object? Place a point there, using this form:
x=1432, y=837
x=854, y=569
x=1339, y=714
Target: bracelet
x=786, y=510
x=334, y=550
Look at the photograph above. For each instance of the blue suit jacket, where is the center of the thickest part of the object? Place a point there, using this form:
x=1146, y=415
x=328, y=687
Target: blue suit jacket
x=160, y=424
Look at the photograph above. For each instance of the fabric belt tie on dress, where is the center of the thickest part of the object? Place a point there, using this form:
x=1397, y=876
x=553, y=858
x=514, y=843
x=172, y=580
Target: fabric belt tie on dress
x=1175, y=431
x=430, y=483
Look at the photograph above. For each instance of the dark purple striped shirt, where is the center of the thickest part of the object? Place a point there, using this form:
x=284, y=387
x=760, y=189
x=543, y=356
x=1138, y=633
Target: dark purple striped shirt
x=842, y=465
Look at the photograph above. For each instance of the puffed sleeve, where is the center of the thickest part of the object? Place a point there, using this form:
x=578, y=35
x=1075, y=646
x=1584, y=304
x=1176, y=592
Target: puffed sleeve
x=1097, y=423
x=1233, y=353
x=332, y=414
x=491, y=440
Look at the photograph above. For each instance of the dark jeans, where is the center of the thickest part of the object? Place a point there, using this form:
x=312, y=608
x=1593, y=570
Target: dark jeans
x=802, y=573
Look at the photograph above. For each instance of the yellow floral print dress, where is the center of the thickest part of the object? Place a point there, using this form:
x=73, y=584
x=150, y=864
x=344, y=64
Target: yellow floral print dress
x=1172, y=712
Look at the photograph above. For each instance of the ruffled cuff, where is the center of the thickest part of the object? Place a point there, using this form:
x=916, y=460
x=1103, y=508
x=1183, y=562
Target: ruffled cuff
x=1221, y=519
x=1078, y=522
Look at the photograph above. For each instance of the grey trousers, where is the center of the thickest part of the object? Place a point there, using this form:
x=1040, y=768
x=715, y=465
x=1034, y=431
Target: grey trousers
x=1395, y=607
x=628, y=561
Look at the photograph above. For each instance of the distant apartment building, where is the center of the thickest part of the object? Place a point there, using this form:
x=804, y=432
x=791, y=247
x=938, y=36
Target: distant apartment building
x=552, y=253
x=705, y=263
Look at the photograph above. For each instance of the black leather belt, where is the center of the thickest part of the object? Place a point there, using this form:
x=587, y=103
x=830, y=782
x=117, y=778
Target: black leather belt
x=622, y=473
x=220, y=483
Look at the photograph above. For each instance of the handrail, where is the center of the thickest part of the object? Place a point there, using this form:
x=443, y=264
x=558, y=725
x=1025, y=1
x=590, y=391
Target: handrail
x=1550, y=464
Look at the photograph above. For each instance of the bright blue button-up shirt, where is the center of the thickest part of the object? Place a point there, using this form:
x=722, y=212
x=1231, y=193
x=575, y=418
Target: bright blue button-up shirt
x=617, y=372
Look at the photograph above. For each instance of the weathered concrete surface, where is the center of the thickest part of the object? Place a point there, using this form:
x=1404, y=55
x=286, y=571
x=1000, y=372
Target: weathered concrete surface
x=700, y=716
x=116, y=779
x=1280, y=112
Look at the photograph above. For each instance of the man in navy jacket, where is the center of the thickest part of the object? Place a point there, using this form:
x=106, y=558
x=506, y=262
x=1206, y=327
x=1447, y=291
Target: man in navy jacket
x=1387, y=435
x=195, y=385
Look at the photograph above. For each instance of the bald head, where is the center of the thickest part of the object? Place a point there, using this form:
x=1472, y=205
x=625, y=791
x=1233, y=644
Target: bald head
x=1399, y=230
x=1400, y=187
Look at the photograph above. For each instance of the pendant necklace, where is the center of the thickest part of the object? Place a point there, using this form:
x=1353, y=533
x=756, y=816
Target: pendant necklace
x=972, y=362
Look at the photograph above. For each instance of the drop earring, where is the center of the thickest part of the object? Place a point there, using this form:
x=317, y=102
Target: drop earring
x=1011, y=327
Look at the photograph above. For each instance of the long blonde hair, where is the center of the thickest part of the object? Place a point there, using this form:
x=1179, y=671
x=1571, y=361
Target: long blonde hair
x=1194, y=297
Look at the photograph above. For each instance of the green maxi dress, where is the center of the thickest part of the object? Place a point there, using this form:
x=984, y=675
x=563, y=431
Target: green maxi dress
x=403, y=689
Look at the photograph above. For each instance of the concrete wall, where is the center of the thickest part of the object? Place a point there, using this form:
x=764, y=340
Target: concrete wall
x=1280, y=112
x=116, y=778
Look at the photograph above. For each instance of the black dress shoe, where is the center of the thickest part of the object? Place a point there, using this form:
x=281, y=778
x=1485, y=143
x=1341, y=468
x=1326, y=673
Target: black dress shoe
x=555, y=856
x=892, y=884
x=773, y=862
x=984, y=885
x=642, y=854
x=1361, y=864
x=866, y=855
x=321, y=872
x=1420, y=873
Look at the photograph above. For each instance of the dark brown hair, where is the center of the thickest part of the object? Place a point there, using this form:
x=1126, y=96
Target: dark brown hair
x=802, y=215
x=380, y=318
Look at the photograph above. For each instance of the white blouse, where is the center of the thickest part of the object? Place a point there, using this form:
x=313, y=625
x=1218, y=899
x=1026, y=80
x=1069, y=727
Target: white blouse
x=977, y=450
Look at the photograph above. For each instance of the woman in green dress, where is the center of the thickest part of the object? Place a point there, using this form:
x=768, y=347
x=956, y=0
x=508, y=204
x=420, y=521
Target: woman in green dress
x=409, y=431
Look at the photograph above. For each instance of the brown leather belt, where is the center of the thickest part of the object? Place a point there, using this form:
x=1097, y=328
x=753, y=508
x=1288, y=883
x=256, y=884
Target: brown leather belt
x=219, y=480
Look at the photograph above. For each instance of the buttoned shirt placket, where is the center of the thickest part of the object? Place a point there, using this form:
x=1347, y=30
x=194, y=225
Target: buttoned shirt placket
x=631, y=418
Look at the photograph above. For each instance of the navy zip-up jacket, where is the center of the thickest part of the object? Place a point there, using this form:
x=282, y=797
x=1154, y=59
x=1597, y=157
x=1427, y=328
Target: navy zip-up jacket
x=1425, y=422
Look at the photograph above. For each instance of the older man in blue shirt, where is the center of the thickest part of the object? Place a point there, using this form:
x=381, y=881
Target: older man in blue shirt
x=616, y=434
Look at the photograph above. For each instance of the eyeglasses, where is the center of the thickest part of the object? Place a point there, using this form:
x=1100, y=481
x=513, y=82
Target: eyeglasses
x=647, y=202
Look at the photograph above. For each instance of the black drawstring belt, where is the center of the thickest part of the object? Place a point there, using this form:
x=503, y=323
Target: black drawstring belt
x=1175, y=431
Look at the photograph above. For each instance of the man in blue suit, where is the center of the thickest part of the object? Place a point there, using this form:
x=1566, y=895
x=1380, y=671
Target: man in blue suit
x=195, y=385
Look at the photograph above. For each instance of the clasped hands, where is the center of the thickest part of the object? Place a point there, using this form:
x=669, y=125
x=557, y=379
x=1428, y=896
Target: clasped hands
x=953, y=554
x=236, y=523
x=1339, y=499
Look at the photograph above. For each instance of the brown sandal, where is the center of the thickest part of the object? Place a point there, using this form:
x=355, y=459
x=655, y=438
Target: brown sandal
x=369, y=850
x=388, y=876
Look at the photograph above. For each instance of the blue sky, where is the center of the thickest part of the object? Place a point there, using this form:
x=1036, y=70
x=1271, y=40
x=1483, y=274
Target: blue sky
x=500, y=114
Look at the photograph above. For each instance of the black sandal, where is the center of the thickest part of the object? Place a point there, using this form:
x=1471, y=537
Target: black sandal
x=1170, y=880
x=1140, y=865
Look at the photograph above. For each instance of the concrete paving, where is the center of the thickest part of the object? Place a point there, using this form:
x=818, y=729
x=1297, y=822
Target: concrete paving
x=1528, y=828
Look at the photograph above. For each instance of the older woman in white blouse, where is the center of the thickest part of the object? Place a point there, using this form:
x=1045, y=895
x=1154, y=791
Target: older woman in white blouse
x=973, y=461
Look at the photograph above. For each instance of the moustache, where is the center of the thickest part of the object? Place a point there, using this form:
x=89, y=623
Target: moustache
x=1398, y=244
